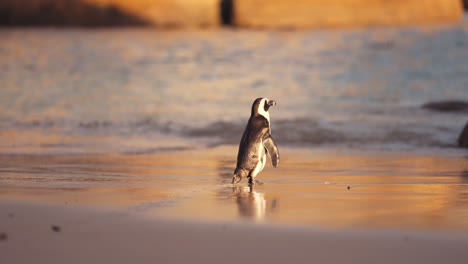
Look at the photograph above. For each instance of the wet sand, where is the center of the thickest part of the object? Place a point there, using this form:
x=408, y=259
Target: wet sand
x=321, y=206
x=58, y=234
x=321, y=188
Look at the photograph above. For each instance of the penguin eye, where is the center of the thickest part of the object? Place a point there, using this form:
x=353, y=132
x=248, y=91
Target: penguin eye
x=266, y=106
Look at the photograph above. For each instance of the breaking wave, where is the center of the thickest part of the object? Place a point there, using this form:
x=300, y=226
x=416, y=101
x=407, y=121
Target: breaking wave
x=300, y=132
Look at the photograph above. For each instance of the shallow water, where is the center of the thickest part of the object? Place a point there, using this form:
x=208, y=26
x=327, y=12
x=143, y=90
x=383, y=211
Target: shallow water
x=143, y=91
x=149, y=120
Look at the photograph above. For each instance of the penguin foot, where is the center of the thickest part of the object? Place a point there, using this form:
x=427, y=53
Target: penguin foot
x=253, y=182
x=236, y=179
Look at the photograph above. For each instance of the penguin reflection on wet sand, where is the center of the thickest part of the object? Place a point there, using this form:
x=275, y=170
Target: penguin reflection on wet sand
x=255, y=143
x=252, y=204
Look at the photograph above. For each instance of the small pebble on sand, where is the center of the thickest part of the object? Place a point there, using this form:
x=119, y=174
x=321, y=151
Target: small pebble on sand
x=3, y=236
x=56, y=228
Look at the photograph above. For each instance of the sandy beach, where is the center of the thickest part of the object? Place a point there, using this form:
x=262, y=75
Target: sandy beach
x=57, y=234
x=318, y=188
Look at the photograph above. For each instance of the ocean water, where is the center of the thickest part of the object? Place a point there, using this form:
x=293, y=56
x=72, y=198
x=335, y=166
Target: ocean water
x=142, y=90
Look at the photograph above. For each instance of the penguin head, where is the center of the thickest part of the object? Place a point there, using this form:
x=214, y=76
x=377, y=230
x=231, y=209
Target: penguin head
x=260, y=107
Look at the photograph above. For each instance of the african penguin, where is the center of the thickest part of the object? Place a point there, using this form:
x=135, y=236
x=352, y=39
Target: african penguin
x=255, y=143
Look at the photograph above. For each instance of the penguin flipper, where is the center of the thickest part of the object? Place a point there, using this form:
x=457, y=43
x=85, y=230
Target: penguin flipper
x=272, y=150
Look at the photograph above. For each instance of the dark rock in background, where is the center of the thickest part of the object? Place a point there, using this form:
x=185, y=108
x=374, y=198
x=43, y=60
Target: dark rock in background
x=463, y=139
x=447, y=106
x=64, y=13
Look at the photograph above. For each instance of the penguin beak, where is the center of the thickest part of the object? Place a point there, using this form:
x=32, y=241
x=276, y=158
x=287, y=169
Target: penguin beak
x=268, y=104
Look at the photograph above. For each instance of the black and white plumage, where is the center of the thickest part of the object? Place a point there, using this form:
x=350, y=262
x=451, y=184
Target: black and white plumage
x=255, y=143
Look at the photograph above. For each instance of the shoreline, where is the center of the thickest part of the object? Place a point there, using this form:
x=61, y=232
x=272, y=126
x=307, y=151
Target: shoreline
x=44, y=233
x=330, y=189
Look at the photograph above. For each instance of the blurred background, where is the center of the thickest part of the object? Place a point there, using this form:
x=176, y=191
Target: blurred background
x=212, y=13
x=145, y=76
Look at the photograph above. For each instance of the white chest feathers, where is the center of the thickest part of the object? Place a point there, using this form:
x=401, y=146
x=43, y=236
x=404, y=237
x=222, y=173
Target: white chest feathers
x=260, y=163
